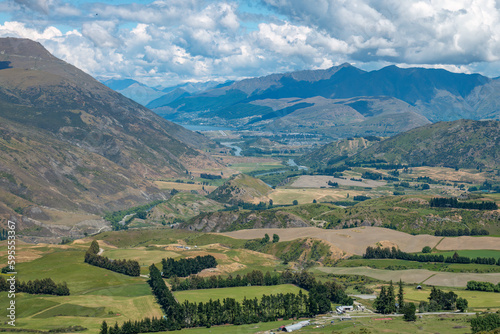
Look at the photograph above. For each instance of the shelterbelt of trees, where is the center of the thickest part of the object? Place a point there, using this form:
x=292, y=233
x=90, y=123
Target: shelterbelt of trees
x=126, y=267
x=229, y=311
x=186, y=267
x=443, y=202
x=393, y=253
x=45, y=286
x=483, y=286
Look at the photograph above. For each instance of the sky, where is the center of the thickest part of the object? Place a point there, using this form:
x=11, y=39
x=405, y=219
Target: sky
x=167, y=42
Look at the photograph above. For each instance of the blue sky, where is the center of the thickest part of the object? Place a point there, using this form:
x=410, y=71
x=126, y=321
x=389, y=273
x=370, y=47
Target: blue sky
x=166, y=42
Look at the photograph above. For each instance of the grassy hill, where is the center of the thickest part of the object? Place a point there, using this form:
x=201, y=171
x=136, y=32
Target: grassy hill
x=240, y=188
x=462, y=144
x=337, y=151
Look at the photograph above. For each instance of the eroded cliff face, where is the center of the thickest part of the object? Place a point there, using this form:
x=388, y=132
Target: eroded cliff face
x=236, y=220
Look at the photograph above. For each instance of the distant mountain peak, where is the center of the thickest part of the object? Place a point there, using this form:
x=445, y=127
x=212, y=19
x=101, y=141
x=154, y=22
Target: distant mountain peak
x=24, y=47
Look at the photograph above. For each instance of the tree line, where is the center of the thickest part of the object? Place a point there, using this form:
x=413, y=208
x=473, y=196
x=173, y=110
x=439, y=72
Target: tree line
x=253, y=278
x=186, y=267
x=442, y=202
x=126, y=267
x=45, y=286
x=210, y=176
x=328, y=291
x=460, y=232
x=483, y=286
x=229, y=311
x=393, y=253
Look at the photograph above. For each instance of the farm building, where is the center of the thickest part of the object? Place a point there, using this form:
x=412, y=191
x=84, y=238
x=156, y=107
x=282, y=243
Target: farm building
x=297, y=326
x=343, y=309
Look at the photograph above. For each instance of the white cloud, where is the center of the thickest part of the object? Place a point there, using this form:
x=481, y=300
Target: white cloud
x=167, y=41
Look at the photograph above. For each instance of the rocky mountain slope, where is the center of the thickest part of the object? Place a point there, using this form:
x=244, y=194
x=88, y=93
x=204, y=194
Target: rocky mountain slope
x=69, y=143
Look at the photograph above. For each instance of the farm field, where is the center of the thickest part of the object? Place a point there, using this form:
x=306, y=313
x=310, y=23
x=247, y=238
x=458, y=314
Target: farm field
x=285, y=196
x=238, y=293
x=317, y=181
x=476, y=299
x=474, y=253
x=355, y=240
x=167, y=185
x=415, y=276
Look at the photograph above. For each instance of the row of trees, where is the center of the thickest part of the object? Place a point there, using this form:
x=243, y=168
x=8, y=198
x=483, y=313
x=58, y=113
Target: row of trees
x=45, y=286
x=483, y=286
x=253, y=278
x=393, y=253
x=460, y=232
x=186, y=267
x=443, y=202
x=229, y=311
x=126, y=267
x=328, y=291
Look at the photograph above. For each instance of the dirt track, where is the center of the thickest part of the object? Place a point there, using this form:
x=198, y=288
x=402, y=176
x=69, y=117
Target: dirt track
x=355, y=240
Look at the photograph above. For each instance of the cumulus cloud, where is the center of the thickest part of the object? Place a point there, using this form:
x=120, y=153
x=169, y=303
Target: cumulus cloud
x=455, y=32
x=167, y=41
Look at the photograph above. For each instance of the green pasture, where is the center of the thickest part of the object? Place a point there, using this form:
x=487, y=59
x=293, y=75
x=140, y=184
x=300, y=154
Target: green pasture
x=238, y=293
x=476, y=299
x=475, y=253
x=68, y=266
x=254, y=166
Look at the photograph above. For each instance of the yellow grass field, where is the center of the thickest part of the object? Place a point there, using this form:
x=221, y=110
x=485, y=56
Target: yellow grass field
x=355, y=240
x=415, y=275
x=307, y=195
x=182, y=186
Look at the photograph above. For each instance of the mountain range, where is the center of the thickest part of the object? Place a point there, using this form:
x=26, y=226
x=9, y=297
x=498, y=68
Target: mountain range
x=69, y=143
x=341, y=101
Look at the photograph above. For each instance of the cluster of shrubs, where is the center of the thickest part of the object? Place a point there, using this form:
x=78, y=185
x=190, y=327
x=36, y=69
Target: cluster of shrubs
x=483, y=286
x=186, y=267
x=460, y=232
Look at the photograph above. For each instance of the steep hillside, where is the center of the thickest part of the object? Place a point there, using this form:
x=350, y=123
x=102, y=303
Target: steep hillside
x=70, y=143
x=337, y=151
x=237, y=220
x=463, y=144
x=240, y=188
x=343, y=101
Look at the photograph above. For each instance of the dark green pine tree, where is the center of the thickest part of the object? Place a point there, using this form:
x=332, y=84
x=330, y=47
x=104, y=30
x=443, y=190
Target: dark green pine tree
x=391, y=300
x=401, y=300
x=380, y=301
x=104, y=328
